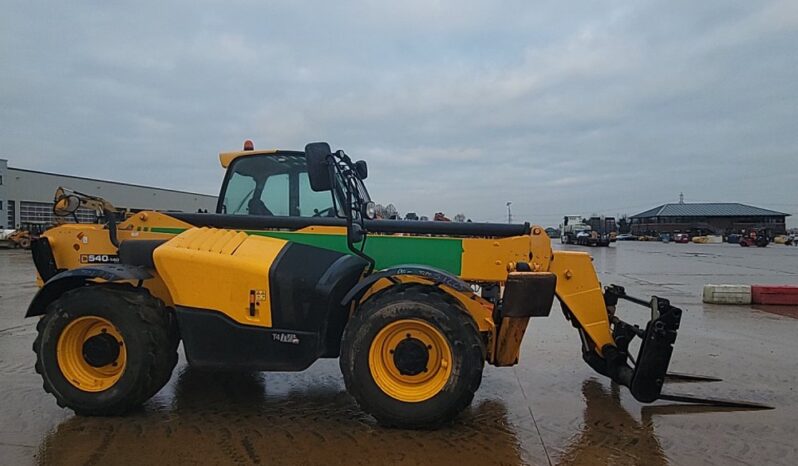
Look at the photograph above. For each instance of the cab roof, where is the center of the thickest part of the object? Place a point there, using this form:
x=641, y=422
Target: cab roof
x=226, y=158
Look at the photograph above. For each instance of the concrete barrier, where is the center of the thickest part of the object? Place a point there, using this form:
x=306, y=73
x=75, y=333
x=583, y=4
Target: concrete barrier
x=727, y=294
x=786, y=295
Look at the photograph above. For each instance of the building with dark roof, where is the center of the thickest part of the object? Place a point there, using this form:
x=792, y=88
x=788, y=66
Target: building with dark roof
x=707, y=218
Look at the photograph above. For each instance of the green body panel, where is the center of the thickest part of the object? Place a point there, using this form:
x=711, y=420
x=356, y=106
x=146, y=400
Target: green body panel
x=171, y=231
x=442, y=253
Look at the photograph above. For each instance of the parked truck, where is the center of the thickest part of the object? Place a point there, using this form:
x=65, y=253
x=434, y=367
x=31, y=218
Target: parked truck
x=595, y=231
x=573, y=229
x=602, y=230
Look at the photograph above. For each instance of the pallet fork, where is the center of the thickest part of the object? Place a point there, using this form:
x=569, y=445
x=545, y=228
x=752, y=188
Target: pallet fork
x=648, y=373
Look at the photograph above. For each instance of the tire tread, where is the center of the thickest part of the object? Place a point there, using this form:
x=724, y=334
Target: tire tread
x=161, y=345
x=474, y=353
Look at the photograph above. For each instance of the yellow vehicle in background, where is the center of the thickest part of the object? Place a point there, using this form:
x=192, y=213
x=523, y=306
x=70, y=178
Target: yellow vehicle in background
x=19, y=238
x=292, y=268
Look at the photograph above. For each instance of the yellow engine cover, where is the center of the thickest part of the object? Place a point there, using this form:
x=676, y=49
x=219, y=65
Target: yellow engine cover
x=221, y=270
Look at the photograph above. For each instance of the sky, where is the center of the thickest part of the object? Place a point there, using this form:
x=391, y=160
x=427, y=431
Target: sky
x=579, y=107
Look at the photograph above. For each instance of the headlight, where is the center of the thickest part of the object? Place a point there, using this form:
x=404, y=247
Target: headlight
x=370, y=210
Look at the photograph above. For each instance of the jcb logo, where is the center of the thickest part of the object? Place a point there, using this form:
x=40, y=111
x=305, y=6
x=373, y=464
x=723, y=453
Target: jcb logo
x=99, y=259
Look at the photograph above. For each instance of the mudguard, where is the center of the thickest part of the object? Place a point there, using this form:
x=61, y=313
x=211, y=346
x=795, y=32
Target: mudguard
x=437, y=276
x=70, y=279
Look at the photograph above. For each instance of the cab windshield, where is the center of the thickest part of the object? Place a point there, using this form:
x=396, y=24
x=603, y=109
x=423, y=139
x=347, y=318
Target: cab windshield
x=274, y=185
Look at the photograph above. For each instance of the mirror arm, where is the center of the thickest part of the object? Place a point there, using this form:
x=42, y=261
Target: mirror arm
x=349, y=240
x=331, y=175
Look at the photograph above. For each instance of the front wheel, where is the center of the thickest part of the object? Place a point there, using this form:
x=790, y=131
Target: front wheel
x=412, y=357
x=104, y=350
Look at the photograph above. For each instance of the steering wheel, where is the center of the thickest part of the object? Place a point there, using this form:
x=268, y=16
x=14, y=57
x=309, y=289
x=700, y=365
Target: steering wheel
x=328, y=212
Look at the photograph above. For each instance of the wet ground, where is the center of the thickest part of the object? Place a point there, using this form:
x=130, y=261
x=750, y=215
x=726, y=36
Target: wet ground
x=550, y=409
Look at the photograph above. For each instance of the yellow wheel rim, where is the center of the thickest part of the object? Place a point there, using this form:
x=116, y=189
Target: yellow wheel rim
x=398, y=363
x=87, y=356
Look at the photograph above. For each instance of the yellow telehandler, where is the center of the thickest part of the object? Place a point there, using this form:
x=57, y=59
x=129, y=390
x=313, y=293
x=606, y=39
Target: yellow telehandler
x=16, y=239
x=291, y=268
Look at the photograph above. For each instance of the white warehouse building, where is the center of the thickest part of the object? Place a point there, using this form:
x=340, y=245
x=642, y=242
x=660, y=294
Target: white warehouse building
x=26, y=196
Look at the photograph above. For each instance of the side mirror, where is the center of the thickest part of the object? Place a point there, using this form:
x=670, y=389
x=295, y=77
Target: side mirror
x=362, y=169
x=316, y=155
x=356, y=233
x=66, y=205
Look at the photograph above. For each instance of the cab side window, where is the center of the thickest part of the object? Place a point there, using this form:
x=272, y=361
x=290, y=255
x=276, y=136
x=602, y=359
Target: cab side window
x=275, y=195
x=238, y=194
x=312, y=203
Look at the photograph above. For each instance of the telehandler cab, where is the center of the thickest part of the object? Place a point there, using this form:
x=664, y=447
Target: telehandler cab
x=292, y=268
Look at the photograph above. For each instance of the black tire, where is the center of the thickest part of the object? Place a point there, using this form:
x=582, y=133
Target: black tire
x=150, y=339
x=433, y=306
x=165, y=355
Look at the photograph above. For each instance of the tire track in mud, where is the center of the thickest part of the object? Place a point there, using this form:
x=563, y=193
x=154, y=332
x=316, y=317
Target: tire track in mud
x=102, y=449
x=228, y=447
x=11, y=330
x=250, y=450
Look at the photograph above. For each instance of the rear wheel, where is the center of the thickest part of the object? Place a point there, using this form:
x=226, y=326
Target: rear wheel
x=412, y=357
x=104, y=350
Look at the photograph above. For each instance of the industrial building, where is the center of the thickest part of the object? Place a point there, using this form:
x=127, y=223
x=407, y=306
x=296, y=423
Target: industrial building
x=707, y=218
x=26, y=196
